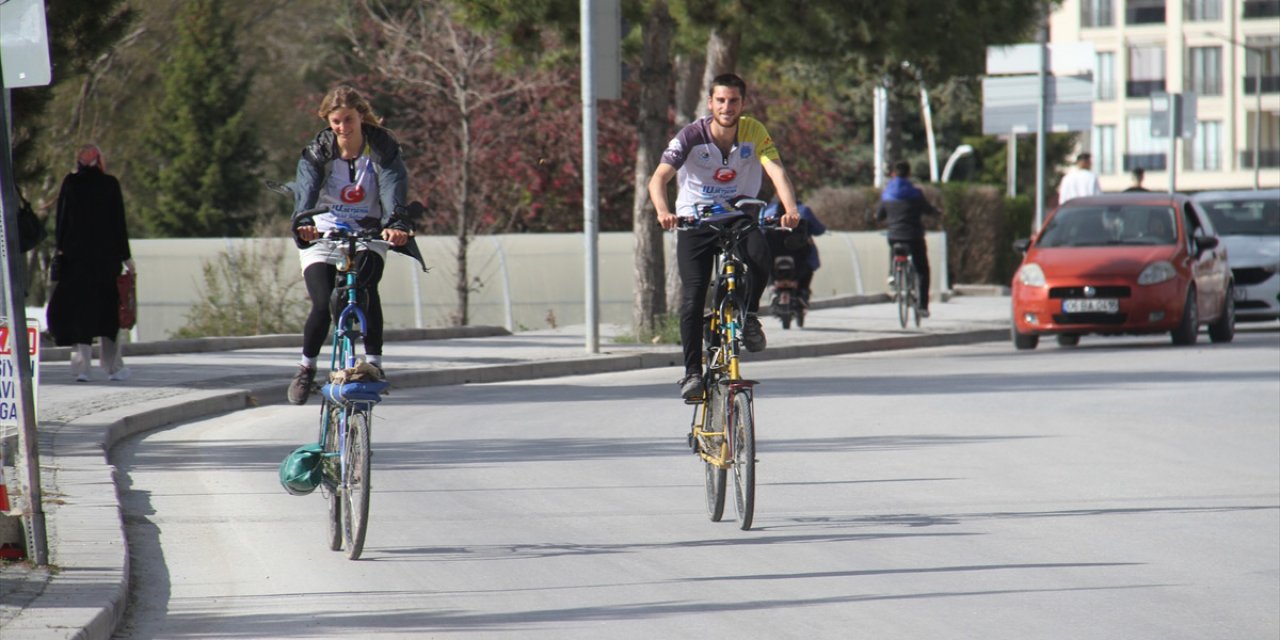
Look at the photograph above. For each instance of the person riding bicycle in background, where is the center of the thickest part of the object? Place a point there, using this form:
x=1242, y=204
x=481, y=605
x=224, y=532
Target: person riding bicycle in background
x=355, y=168
x=717, y=158
x=798, y=243
x=903, y=206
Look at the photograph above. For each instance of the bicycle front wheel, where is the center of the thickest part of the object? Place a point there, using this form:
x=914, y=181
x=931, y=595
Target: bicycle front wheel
x=355, y=483
x=743, y=425
x=714, y=476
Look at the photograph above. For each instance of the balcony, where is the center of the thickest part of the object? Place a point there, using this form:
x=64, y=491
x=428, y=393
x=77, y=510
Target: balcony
x=1268, y=158
x=1143, y=88
x=1147, y=161
x=1270, y=84
x=1261, y=8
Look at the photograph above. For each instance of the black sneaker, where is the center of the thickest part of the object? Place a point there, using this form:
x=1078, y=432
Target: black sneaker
x=300, y=386
x=753, y=334
x=691, y=386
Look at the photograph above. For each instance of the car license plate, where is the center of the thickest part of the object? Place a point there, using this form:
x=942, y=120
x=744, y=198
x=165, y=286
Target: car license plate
x=1091, y=305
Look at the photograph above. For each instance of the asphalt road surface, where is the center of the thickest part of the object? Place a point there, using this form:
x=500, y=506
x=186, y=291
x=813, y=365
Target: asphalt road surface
x=1124, y=489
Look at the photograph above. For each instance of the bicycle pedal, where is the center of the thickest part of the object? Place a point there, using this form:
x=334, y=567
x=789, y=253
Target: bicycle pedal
x=694, y=401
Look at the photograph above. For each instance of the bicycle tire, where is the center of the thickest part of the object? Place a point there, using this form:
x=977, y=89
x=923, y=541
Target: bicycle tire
x=742, y=422
x=900, y=293
x=715, y=477
x=330, y=471
x=355, y=483
x=913, y=291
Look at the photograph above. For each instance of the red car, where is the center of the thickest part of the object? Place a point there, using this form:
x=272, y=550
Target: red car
x=1129, y=263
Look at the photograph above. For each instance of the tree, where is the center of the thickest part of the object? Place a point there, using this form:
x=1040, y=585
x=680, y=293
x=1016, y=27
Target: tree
x=469, y=113
x=201, y=177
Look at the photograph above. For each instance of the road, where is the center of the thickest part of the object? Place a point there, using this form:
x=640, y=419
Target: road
x=1124, y=489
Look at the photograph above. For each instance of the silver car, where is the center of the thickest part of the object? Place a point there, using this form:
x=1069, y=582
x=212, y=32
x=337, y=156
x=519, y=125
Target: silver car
x=1249, y=224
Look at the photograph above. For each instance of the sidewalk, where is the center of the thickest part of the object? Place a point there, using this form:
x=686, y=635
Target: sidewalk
x=83, y=593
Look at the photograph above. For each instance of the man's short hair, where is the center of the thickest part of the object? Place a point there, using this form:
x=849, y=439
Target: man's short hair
x=902, y=169
x=1138, y=173
x=728, y=80
x=1084, y=157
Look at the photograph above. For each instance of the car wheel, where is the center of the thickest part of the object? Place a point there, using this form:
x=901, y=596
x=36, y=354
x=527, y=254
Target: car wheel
x=1224, y=328
x=1189, y=327
x=1024, y=341
x=1068, y=339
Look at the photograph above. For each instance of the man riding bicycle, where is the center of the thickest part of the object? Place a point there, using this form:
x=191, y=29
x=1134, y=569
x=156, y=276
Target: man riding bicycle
x=903, y=206
x=717, y=158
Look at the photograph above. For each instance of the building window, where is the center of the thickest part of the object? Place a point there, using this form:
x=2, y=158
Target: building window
x=1204, y=70
x=1270, y=65
x=1269, y=149
x=1096, y=13
x=1142, y=150
x=1104, y=148
x=1202, y=10
x=1144, y=12
x=1261, y=8
x=1146, y=71
x=1104, y=76
x=1206, y=148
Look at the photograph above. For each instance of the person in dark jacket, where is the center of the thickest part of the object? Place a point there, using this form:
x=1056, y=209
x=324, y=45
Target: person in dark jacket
x=354, y=167
x=91, y=248
x=902, y=207
x=797, y=243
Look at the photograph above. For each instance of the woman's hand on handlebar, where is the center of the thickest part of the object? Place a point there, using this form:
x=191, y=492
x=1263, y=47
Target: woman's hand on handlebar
x=790, y=220
x=396, y=237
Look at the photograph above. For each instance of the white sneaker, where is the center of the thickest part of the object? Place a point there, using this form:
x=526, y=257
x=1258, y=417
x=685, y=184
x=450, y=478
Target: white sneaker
x=82, y=377
x=121, y=375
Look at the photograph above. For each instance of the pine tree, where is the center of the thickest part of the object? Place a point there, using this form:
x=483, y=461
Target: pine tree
x=203, y=153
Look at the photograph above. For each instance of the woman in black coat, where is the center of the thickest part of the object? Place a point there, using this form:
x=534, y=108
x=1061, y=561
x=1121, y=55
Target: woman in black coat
x=92, y=247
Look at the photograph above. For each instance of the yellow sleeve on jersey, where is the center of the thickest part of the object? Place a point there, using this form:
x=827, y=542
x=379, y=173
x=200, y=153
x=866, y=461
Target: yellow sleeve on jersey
x=753, y=131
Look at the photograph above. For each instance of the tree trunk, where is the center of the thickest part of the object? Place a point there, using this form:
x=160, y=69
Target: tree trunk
x=722, y=57
x=655, y=98
x=461, y=285
x=689, y=91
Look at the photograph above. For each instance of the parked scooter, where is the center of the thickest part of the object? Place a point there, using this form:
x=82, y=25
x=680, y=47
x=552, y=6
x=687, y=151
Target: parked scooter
x=788, y=301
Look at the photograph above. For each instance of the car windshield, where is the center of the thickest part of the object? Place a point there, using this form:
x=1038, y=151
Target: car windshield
x=1099, y=226
x=1244, y=216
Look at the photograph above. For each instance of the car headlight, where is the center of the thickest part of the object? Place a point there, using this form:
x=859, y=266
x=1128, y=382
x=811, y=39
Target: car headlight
x=1157, y=272
x=1031, y=275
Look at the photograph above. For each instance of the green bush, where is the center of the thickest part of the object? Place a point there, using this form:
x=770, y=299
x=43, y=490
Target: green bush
x=250, y=289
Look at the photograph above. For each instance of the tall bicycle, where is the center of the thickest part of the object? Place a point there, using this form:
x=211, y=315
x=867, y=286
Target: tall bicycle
x=905, y=284
x=346, y=412
x=722, y=430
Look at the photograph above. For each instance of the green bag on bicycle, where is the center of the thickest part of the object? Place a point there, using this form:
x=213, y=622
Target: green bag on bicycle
x=300, y=470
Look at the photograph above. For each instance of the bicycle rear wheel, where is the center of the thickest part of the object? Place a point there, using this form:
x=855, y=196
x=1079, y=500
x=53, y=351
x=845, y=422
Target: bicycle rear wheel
x=900, y=293
x=355, y=483
x=715, y=476
x=331, y=473
x=913, y=292
x=743, y=424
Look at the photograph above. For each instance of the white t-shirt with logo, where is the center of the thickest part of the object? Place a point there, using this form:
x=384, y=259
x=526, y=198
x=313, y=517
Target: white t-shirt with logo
x=353, y=200
x=706, y=175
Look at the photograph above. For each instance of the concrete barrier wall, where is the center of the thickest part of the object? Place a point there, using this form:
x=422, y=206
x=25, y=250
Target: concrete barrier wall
x=520, y=281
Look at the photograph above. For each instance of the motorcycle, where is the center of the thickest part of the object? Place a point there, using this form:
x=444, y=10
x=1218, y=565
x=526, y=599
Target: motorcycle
x=788, y=302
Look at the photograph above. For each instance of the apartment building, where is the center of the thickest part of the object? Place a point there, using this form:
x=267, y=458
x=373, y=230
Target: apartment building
x=1226, y=52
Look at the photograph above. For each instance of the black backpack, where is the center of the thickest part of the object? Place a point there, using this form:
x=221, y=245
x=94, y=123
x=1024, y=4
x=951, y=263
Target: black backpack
x=31, y=230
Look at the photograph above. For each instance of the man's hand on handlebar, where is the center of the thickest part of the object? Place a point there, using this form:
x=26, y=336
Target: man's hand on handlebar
x=790, y=220
x=667, y=221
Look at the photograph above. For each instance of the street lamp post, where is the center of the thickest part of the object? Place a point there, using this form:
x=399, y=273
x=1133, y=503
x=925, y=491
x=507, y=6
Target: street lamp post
x=1257, y=92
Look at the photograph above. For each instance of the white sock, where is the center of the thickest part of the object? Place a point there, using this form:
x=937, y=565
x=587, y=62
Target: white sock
x=309, y=363
x=374, y=360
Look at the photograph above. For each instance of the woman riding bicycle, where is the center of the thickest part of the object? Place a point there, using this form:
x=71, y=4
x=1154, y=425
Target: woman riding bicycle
x=354, y=168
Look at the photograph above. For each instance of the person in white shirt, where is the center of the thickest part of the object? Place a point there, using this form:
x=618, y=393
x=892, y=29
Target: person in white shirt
x=1081, y=181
